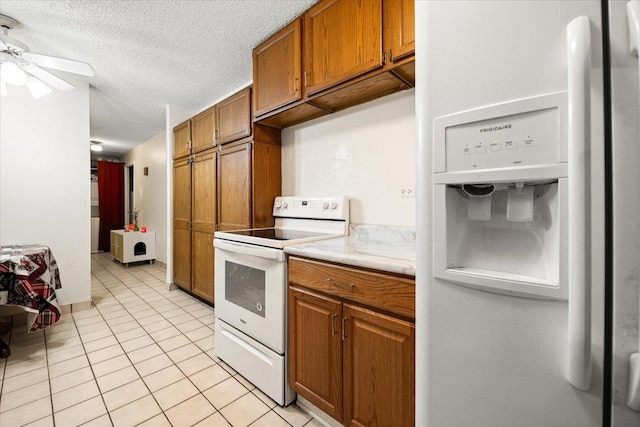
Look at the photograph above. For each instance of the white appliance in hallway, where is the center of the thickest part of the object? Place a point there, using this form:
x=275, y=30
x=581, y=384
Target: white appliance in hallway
x=95, y=217
x=527, y=277
x=251, y=288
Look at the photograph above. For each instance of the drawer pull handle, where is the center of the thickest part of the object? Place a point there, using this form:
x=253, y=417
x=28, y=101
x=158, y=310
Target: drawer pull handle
x=344, y=326
x=336, y=283
x=333, y=324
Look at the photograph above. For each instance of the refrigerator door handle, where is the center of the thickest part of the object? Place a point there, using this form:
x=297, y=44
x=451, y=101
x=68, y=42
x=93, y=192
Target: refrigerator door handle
x=633, y=19
x=579, y=135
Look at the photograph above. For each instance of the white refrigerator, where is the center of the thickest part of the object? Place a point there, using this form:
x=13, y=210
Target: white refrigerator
x=528, y=213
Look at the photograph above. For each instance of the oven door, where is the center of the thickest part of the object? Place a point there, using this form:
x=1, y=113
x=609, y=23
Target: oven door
x=250, y=290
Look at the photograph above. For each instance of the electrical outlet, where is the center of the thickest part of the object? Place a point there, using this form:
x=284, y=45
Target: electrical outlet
x=407, y=191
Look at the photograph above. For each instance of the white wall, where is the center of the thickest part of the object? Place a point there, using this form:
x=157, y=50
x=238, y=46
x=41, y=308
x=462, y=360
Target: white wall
x=149, y=192
x=365, y=152
x=44, y=180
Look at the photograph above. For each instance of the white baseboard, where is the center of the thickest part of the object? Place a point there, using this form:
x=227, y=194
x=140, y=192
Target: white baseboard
x=319, y=415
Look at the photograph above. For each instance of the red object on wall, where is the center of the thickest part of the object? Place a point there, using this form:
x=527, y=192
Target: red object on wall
x=111, y=200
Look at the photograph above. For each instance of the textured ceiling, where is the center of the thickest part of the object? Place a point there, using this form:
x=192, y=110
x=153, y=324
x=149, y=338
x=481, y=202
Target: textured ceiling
x=151, y=53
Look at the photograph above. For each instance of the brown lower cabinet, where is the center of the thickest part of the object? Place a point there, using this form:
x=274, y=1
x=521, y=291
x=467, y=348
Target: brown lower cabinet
x=353, y=362
x=202, y=265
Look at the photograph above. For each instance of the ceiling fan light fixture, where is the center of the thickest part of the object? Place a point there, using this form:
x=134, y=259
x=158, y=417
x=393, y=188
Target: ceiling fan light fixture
x=12, y=74
x=37, y=88
x=18, y=66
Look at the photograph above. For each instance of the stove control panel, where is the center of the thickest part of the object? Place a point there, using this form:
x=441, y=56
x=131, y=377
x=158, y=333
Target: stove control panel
x=312, y=207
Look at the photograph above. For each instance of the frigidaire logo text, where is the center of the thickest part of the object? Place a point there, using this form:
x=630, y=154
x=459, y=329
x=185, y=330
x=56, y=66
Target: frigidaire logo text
x=494, y=128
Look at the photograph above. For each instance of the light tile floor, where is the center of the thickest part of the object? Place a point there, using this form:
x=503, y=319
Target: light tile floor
x=143, y=355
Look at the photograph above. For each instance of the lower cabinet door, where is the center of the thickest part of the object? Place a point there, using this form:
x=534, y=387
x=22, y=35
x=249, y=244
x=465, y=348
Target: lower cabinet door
x=378, y=369
x=182, y=257
x=203, y=271
x=315, y=350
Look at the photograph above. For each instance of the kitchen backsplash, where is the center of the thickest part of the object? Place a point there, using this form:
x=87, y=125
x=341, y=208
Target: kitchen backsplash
x=365, y=152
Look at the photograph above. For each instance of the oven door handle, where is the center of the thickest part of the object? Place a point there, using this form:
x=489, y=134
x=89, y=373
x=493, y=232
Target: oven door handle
x=243, y=249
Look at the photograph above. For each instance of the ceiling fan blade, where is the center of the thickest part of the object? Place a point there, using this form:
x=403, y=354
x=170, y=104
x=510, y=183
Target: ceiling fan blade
x=48, y=78
x=67, y=65
x=3, y=46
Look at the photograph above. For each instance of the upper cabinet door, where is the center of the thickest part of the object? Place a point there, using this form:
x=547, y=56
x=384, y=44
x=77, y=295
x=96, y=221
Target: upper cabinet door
x=203, y=127
x=182, y=140
x=399, y=28
x=233, y=117
x=203, y=190
x=343, y=39
x=182, y=194
x=234, y=187
x=277, y=70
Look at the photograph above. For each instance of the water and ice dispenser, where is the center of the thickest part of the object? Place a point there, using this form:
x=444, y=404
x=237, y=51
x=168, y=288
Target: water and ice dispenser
x=500, y=197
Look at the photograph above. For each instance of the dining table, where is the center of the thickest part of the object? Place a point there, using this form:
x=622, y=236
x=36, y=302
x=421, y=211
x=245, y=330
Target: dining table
x=29, y=278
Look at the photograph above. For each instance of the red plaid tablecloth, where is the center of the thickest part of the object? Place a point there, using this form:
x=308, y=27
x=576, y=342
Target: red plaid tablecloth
x=29, y=277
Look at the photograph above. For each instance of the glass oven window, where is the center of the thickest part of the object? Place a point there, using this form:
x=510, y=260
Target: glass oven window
x=245, y=287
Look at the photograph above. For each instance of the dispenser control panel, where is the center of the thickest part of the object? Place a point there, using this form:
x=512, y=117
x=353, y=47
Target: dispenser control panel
x=500, y=197
x=521, y=133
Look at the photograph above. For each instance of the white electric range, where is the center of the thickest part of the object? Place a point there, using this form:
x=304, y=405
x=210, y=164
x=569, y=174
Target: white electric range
x=251, y=287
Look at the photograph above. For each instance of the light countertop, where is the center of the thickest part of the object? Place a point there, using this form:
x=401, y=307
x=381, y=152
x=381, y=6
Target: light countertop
x=386, y=248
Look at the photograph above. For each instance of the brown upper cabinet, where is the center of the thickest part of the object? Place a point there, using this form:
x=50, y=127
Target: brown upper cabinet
x=344, y=53
x=203, y=127
x=234, y=192
x=342, y=39
x=182, y=140
x=233, y=117
x=399, y=29
x=249, y=180
x=195, y=135
x=277, y=70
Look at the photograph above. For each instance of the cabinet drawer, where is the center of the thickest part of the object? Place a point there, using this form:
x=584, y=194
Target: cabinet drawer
x=386, y=292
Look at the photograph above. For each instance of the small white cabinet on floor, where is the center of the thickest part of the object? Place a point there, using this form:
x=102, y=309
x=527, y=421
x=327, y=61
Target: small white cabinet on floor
x=133, y=246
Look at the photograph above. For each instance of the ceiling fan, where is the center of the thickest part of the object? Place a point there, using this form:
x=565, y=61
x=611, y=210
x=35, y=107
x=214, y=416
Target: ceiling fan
x=18, y=66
